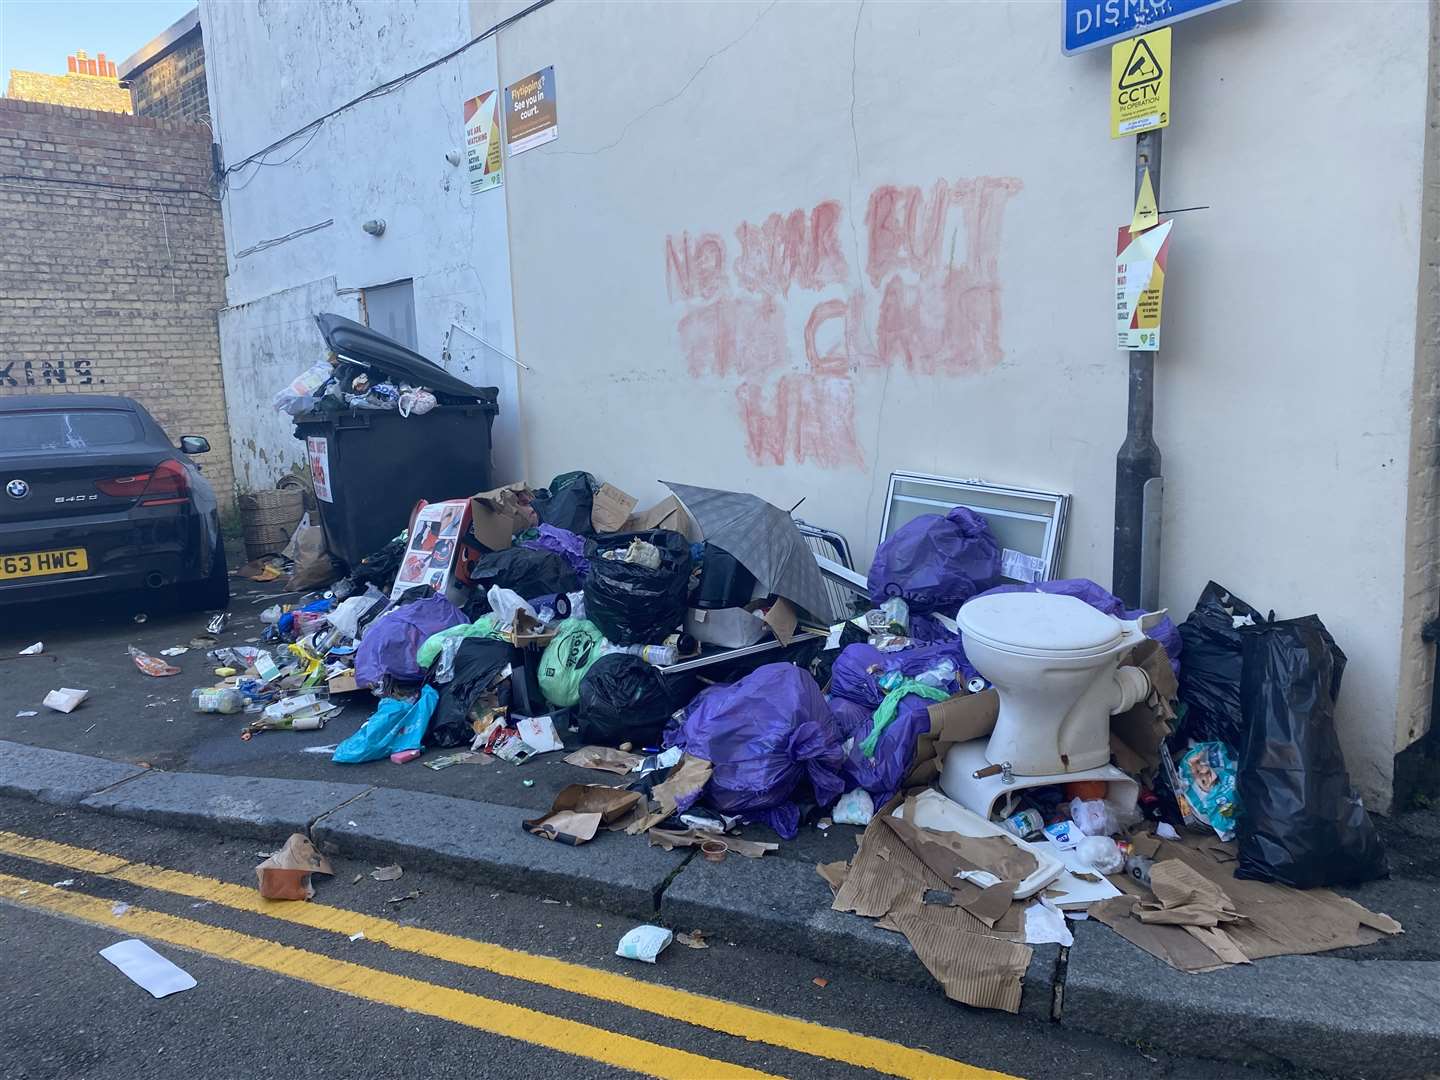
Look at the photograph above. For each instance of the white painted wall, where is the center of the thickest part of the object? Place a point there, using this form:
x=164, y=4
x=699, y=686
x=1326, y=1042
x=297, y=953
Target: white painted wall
x=264, y=345
x=275, y=67
x=1284, y=385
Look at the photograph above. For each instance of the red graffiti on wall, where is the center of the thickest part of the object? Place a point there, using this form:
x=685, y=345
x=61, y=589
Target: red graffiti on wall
x=932, y=264
x=796, y=248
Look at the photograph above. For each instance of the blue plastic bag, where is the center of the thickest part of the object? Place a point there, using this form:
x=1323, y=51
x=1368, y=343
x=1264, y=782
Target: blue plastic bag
x=935, y=563
x=394, y=726
x=764, y=735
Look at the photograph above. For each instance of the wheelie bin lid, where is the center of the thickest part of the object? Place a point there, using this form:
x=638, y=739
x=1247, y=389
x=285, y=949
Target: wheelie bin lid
x=361, y=345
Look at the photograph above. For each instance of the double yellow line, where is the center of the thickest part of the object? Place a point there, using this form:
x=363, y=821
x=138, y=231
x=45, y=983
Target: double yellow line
x=567, y=1036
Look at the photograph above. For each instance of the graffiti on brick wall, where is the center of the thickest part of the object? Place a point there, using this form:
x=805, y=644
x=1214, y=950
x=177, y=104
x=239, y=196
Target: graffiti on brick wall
x=47, y=373
x=927, y=300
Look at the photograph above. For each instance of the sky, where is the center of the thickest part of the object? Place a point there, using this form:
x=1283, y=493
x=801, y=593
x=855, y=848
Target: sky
x=37, y=35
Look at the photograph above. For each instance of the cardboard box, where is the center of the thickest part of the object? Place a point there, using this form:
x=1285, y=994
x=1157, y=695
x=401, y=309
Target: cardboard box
x=611, y=508
x=666, y=514
x=497, y=515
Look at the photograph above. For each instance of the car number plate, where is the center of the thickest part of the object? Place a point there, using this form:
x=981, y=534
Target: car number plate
x=42, y=563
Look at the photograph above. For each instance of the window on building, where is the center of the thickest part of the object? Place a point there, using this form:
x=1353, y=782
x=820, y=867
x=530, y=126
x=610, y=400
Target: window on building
x=390, y=309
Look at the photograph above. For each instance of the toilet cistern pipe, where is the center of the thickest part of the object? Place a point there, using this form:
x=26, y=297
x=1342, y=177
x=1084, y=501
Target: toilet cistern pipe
x=1130, y=687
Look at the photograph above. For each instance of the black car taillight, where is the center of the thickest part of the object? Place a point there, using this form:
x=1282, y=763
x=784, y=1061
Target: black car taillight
x=165, y=485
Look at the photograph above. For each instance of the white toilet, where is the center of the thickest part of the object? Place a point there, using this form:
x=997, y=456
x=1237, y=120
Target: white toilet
x=1054, y=660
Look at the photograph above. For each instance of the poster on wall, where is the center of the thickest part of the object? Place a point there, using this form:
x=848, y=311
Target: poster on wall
x=317, y=449
x=1140, y=286
x=482, y=142
x=530, y=116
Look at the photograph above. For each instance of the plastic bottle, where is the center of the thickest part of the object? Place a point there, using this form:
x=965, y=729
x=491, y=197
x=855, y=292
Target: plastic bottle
x=659, y=655
x=205, y=700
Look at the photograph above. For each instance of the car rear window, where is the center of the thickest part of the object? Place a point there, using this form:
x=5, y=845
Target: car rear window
x=71, y=429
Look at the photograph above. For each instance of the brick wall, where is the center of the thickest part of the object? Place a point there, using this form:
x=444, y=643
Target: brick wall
x=108, y=282
x=173, y=87
x=80, y=90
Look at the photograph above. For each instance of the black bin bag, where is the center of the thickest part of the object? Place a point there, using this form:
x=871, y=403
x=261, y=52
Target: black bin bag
x=1300, y=822
x=1210, y=670
x=527, y=572
x=633, y=604
x=623, y=699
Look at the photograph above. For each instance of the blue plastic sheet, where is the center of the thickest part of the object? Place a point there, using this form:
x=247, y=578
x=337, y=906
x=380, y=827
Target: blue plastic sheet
x=394, y=726
x=765, y=736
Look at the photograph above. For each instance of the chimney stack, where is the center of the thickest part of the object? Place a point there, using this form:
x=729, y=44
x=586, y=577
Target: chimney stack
x=80, y=63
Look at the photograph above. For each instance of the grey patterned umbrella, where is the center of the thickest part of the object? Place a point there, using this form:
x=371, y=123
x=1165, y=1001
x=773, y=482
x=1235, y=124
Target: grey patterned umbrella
x=763, y=539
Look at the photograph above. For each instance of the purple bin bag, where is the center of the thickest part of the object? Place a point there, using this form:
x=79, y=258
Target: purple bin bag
x=883, y=774
x=391, y=642
x=569, y=545
x=1098, y=597
x=850, y=677
x=935, y=563
x=764, y=735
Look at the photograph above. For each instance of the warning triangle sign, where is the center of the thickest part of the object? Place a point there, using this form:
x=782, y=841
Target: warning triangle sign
x=1141, y=68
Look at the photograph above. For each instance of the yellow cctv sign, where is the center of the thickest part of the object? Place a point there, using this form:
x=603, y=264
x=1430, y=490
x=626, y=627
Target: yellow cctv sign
x=1140, y=84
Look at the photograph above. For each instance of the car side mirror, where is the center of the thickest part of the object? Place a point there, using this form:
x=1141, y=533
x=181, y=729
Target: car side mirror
x=194, y=444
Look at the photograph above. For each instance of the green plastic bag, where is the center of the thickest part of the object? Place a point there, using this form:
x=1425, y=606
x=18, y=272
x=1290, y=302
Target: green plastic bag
x=885, y=714
x=481, y=627
x=567, y=658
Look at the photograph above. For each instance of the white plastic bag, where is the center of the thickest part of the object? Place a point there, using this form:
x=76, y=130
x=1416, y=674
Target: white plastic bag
x=1097, y=817
x=504, y=603
x=348, y=613
x=1101, y=853
x=299, y=397
x=854, y=808
x=644, y=943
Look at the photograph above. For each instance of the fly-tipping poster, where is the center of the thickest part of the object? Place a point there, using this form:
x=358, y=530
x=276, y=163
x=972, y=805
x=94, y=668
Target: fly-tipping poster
x=1140, y=286
x=482, y=142
x=530, y=114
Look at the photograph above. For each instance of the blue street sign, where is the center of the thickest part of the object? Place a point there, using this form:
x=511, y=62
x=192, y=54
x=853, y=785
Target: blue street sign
x=1092, y=23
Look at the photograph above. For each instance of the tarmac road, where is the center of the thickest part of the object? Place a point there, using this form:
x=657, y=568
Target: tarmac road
x=431, y=999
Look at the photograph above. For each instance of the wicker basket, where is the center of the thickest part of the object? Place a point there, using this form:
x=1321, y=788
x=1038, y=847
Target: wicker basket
x=269, y=519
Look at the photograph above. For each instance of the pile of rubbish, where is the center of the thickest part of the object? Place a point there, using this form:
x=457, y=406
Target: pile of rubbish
x=1019, y=754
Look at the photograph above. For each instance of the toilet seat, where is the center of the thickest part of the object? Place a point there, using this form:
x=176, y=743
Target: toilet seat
x=1042, y=625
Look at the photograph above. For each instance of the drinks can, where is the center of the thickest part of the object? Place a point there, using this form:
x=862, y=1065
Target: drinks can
x=1024, y=824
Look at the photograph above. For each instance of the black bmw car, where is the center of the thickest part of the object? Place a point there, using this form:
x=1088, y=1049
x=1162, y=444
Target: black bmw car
x=96, y=498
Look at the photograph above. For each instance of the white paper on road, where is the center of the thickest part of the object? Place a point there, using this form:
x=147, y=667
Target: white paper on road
x=147, y=968
x=1045, y=923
